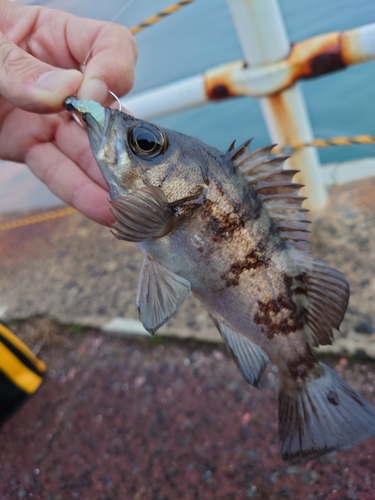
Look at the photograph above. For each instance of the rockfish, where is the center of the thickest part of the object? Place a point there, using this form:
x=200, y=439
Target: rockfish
x=229, y=228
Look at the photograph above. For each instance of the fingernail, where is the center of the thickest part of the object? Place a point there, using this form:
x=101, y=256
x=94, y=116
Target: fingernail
x=54, y=79
x=93, y=89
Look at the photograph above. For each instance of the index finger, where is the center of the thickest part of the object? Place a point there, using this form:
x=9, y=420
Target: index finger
x=106, y=52
x=109, y=58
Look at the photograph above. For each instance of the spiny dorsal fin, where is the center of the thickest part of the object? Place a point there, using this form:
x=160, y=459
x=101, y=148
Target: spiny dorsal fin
x=234, y=154
x=257, y=160
x=275, y=188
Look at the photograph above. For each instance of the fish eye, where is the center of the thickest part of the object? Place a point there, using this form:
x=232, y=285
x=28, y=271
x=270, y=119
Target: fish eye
x=147, y=141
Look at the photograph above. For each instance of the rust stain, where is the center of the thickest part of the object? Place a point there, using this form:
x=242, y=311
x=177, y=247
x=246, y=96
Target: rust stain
x=309, y=58
x=287, y=127
x=316, y=56
x=283, y=117
x=219, y=87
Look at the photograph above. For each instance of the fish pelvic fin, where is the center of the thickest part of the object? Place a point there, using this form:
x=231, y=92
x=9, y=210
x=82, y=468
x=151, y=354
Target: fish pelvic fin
x=250, y=358
x=321, y=414
x=160, y=294
x=142, y=214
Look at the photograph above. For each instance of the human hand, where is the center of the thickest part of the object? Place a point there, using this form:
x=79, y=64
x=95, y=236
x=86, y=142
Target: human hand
x=41, y=51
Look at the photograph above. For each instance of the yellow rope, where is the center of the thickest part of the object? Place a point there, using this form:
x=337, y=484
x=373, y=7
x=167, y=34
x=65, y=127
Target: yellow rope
x=35, y=219
x=324, y=143
x=289, y=149
x=158, y=17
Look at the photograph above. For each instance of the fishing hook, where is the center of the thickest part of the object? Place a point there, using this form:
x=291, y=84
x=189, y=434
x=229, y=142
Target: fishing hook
x=117, y=99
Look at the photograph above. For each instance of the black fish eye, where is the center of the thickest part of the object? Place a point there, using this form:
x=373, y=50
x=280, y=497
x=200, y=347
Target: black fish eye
x=147, y=141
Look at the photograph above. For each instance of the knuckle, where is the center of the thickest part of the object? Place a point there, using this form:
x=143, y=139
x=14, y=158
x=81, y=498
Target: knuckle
x=49, y=174
x=10, y=58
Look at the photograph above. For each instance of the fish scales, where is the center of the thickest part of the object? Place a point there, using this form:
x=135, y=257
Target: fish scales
x=221, y=268
x=230, y=229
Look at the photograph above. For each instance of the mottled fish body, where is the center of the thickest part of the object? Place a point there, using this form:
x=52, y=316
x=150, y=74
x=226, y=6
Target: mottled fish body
x=230, y=229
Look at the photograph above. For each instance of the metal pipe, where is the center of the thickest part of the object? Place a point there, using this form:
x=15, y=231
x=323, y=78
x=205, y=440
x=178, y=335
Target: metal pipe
x=271, y=69
x=306, y=59
x=309, y=58
x=264, y=41
x=185, y=94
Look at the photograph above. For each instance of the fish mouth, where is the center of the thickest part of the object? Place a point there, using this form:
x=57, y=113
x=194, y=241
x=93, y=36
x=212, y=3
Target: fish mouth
x=104, y=145
x=95, y=131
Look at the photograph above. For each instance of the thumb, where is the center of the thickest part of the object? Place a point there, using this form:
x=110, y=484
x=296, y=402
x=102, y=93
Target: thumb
x=33, y=85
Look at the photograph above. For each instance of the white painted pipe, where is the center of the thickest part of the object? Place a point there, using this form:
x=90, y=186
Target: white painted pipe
x=264, y=41
x=172, y=98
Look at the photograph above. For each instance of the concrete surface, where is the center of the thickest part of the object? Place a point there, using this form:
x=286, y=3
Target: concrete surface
x=156, y=419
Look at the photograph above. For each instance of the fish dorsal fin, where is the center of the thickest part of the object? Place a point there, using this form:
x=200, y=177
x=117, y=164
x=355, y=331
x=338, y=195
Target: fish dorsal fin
x=323, y=293
x=275, y=188
x=232, y=154
x=250, y=359
x=160, y=294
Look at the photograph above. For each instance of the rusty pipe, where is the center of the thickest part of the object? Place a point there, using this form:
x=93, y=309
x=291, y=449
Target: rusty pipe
x=307, y=59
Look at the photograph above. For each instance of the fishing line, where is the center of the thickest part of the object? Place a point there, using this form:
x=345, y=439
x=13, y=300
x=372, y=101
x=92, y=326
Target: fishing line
x=83, y=65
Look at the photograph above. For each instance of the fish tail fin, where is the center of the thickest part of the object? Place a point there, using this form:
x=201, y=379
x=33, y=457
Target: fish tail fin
x=321, y=414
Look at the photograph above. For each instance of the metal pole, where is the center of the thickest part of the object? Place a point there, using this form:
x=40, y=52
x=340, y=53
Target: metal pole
x=264, y=41
x=308, y=58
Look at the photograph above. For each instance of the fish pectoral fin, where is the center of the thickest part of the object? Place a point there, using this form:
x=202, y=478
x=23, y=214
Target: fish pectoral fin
x=142, y=214
x=160, y=294
x=250, y=358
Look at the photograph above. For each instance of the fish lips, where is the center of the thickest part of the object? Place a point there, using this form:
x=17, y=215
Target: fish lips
x=105, y=146
x=96, y=132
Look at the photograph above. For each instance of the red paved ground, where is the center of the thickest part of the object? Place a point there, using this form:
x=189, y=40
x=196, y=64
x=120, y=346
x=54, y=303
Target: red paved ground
x=160, y=420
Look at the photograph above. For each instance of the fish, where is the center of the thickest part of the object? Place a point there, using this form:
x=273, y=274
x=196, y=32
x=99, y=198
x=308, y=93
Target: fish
x=230, y=229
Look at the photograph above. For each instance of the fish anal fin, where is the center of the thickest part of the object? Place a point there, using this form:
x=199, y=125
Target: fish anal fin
x=142, y=214
x=320, y=415
x=324, y=297
x=250, y=359
x=160, y=294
